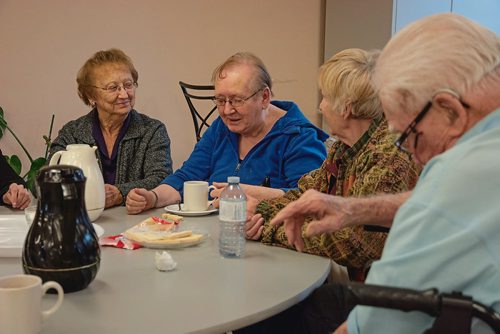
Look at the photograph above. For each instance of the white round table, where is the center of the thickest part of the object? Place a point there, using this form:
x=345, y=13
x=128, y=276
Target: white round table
x=204, y=294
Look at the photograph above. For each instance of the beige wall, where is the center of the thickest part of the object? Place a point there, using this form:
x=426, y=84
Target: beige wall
x=44, y=43
x=357, y=24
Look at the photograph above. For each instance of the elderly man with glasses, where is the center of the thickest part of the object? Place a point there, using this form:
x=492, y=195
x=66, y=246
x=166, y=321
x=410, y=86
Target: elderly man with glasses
x=439, y=83
x=259, y=140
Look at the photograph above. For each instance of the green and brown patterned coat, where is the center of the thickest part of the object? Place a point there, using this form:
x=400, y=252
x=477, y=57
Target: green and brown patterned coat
x=372, y=166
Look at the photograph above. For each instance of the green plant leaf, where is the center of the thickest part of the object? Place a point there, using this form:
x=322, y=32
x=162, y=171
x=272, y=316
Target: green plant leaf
x=14, y=160
x=14, y=163
x=31, y=175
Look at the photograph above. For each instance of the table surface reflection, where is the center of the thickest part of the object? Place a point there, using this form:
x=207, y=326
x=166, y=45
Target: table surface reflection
x=204, y=294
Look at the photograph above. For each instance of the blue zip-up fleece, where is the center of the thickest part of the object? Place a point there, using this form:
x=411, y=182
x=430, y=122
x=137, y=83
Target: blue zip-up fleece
x=293, y=147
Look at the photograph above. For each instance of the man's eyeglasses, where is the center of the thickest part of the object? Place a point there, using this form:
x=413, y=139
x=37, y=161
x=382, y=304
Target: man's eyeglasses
x=411, y=129
x=400, y=142
x=235, y=101
x=114, y=87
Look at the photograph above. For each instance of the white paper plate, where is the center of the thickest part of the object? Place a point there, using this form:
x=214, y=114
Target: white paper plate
x=174, y=208
x=13, y=230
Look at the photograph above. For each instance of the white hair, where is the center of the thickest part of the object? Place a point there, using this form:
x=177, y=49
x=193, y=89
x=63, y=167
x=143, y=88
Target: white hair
x=442, y=51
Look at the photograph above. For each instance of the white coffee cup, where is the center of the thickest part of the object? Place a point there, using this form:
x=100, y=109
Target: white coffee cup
x=196, y=195
x=21, y=303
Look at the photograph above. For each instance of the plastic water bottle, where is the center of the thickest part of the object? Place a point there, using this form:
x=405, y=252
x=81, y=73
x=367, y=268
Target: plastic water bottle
x=232, y=217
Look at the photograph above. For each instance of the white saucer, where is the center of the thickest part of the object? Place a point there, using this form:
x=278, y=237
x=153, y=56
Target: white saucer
x=174, y=208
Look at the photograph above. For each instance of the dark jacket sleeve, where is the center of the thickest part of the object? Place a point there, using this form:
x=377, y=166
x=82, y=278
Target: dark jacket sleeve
x=7, y=177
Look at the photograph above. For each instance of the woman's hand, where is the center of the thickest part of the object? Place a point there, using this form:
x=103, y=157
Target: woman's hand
x=254, y=227
x=17, y=196
x=113, y=196
x=138, y=200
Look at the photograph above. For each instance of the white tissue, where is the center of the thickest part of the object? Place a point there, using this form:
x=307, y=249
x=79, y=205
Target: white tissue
x=164, y=262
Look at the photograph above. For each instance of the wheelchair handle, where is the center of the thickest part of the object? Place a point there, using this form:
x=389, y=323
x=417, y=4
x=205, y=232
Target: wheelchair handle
x=429, y=301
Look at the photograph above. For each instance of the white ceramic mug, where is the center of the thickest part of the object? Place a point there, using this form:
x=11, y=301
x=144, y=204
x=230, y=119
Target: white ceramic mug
x=196, y=195
x=21, y=303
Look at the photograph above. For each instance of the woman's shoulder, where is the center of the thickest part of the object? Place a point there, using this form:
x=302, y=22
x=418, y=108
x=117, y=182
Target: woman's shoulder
x=144, y=120
x=84, y=121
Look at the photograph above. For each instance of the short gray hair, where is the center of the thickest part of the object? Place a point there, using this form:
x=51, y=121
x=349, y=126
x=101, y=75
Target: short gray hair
x=263, y=77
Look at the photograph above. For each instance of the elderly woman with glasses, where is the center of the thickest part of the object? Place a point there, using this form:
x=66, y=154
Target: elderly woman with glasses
x=133, y=149
x=259, y=140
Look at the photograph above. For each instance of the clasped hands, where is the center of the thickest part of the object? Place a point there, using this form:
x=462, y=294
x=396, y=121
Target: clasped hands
x=113, y=196
x=17, y=196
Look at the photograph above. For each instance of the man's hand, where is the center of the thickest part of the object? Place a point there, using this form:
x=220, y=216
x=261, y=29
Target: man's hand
x=257, y=192
x=138, y=200
x=215, y=194
x=329, y=214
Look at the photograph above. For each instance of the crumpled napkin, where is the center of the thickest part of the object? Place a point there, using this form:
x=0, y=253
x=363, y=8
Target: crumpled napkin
x=164, y=261
x=118, y=241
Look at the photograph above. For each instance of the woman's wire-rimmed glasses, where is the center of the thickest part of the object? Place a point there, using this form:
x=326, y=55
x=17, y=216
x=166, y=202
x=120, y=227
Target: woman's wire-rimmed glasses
x=115, y=87
x=235, y=101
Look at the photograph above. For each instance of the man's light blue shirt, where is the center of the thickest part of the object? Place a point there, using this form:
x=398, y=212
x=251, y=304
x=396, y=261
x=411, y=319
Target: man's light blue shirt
x=447, y=235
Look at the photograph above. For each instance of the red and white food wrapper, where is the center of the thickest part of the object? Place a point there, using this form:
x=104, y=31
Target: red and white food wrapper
x=118, y=241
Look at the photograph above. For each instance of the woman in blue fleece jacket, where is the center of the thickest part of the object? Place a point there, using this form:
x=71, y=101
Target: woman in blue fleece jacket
x=259, y=140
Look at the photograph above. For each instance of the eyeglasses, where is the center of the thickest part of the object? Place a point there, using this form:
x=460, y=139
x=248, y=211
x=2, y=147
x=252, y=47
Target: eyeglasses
x=400, y=142
x=411, y=129
x=235, y=101
x=114, y=87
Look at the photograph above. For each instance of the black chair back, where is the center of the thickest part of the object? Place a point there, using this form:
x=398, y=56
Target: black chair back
x=194, y=93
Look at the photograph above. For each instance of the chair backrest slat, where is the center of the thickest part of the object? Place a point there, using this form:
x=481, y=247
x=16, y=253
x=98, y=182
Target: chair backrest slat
x=198, y=92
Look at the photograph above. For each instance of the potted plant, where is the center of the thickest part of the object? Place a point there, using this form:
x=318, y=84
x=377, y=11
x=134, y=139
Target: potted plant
x=35, y=163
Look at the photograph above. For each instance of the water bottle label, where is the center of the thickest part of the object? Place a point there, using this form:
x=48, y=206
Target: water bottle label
x=233, y=211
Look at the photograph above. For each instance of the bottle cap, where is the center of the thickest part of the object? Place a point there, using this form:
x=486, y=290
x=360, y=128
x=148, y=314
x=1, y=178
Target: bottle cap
x=233, y=179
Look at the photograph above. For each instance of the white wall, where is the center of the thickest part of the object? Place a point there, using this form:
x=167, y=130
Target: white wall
x=44, y=43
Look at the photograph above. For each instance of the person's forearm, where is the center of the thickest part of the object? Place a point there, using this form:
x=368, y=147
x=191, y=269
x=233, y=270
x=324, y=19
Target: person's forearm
x=262, y=193
x=378, y=210
x=166, y=195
